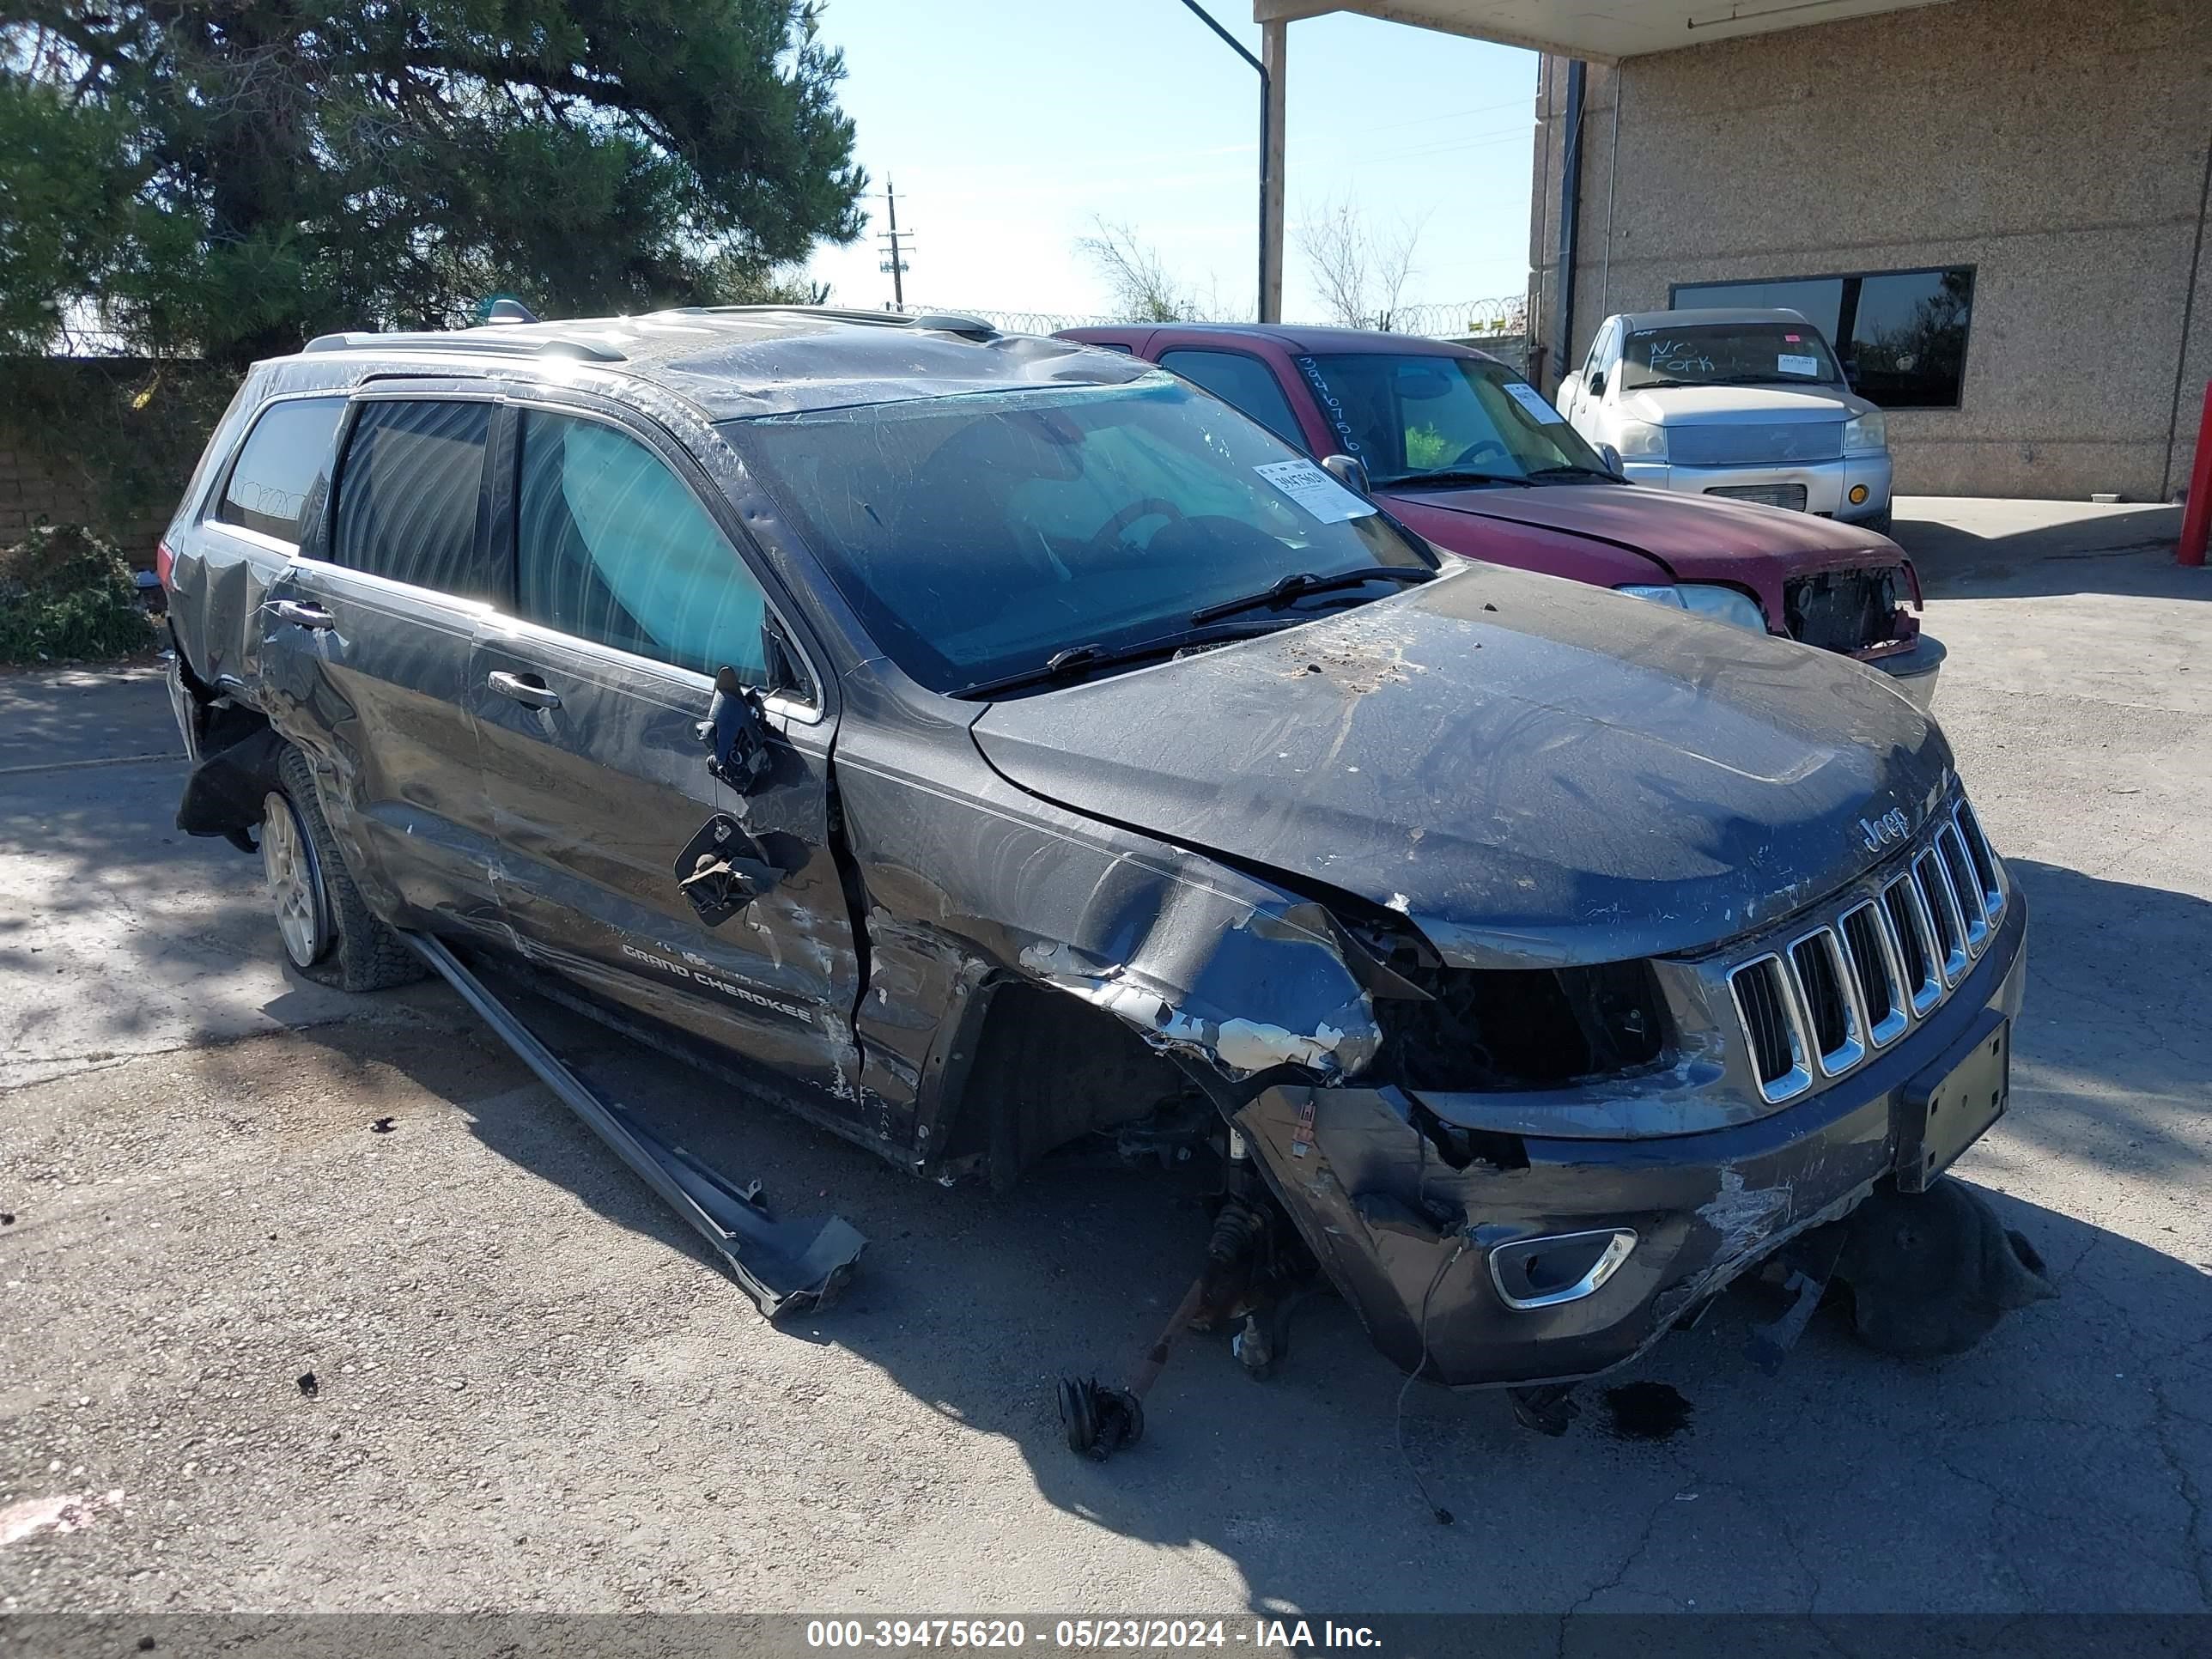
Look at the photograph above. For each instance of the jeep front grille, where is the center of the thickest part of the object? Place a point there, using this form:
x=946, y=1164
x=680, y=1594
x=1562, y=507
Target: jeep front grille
x=1875, y=971
x=1942, y=914
x=1769, y=1011
x=1848, y=985
x=1831, y=1000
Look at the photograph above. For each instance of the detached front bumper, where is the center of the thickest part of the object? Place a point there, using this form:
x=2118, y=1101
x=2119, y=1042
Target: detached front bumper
x=1395, y=1227
x=1827, y=485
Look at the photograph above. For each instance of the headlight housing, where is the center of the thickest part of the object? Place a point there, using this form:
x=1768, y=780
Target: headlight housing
x=1641, y=440
x=1867, y=435
x=1726, y=605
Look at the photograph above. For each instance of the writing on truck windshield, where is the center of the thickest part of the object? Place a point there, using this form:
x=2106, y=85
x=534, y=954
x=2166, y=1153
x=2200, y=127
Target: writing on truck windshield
x=977, y=536
x=1404, y=415
x=1728, y=353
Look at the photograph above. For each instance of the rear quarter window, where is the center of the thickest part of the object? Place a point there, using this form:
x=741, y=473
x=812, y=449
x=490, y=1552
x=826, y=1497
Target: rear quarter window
x=278, y=465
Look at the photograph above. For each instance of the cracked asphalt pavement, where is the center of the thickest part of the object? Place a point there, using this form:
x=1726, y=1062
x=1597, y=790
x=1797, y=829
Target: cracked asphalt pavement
x=532, y=1391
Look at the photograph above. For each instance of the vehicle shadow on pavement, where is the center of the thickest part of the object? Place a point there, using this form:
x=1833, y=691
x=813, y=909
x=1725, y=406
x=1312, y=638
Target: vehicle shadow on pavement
x=2107, y=1074
x=120, y=934
x=2130, y=555
x=1851, y=1480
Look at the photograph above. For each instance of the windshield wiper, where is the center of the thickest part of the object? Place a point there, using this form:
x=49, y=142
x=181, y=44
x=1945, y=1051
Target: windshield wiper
x=1449, y=475
x=1300, y=583
x=1574, y=469
x=1080, y=659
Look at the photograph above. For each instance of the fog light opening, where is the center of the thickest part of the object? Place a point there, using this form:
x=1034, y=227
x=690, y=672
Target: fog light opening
x=1858, y=494
x=1547, y=1273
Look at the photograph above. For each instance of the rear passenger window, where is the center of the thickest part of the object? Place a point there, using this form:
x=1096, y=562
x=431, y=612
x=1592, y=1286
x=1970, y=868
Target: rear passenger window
x=1241, y=382
x=612, y=546
x=410, y=495
x=278, y=466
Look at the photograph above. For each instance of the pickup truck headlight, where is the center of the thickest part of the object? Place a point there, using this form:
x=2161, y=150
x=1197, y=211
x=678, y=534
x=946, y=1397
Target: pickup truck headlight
x=1641, y=440
x=1867, y=435
x=1706, y=599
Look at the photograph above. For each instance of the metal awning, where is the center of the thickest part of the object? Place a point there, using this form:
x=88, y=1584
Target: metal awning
x=1601, y=31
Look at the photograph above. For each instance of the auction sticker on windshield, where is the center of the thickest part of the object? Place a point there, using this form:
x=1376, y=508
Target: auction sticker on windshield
x=1533, y=400
x=1789, y=363
x=1321, y=495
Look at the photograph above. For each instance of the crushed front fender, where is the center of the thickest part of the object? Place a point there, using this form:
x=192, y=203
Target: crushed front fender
x=1410, y=1228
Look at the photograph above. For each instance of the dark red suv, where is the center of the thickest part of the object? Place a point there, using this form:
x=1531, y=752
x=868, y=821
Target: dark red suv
x=1462, y=450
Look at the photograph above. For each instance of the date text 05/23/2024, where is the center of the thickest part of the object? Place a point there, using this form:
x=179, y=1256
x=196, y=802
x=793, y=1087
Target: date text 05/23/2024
x=1138, y=1635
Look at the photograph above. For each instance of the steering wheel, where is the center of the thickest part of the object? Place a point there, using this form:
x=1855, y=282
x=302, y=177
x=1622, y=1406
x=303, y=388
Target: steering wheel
x=1473, y=453
x=1109, y=535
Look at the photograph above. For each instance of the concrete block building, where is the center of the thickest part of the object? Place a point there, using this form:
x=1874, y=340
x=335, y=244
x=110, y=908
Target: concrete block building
x=1995, y=207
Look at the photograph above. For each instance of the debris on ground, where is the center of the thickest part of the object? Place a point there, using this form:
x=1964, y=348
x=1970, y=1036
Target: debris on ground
x=65, y=1512
x=1646, y=1411
x=1930, y=1273
x=309, y=1385
x=383, y=1125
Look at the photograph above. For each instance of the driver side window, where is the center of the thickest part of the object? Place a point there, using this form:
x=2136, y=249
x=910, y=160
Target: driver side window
x=1605, y=350
x=612, y=546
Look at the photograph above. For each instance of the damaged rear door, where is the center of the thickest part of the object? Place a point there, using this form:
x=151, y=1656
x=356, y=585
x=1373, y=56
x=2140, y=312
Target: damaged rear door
x=366, y=642
x=625, y=863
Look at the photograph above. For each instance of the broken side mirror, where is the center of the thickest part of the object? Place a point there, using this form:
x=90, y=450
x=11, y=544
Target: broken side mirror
x=1347, y=470
x=1597, y=385
x=736, y=732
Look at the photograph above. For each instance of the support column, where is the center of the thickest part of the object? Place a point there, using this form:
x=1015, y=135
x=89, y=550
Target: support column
x=1274, y=41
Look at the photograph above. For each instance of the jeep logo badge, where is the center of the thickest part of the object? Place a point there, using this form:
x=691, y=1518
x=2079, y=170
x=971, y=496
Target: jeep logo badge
x=1880, y=832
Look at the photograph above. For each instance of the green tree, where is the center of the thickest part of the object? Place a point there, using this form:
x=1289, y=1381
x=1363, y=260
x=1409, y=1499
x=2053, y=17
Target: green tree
x=226, y=178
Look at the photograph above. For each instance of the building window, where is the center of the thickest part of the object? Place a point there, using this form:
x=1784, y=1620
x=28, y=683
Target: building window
x=1902, y=334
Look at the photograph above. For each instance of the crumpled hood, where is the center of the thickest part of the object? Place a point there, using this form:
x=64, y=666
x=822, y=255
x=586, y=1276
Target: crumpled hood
x=1533, y=771
x=1702, y=405
x=1696, y=537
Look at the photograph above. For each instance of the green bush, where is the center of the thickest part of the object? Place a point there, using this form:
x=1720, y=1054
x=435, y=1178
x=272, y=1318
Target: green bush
x=67, y=593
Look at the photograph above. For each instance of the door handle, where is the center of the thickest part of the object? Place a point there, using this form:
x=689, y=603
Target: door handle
x=299, y=613
x=526, y=688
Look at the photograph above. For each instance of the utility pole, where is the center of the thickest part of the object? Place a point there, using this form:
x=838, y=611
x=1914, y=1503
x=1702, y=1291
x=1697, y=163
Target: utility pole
x=1273, y=43
x=894, y=259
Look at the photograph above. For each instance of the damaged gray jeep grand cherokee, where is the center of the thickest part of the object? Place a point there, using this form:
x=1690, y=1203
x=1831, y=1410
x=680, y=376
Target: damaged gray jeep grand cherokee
x=1005, y=746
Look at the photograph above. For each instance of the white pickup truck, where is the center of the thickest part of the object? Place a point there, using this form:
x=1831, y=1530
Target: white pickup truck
x=1748, y=405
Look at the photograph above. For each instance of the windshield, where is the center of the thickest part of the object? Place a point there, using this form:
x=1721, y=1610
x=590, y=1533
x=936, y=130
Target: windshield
x=1405, y=415
x=979, y=536
x=1728, y=353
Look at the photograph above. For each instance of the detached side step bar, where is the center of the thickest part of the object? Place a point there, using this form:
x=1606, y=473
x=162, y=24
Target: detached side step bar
x=784, y=1265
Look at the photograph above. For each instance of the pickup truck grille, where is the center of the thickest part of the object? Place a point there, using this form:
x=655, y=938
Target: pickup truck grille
x=1845, y=985
x=1842, y=610
x=1754, y=443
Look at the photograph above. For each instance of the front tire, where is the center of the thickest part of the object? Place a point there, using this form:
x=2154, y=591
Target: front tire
x=328, y=931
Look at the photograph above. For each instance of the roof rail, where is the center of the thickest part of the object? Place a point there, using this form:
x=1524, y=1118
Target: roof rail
x=836, y=313
x=503, y=344
x=953, y=322
x=945, y=322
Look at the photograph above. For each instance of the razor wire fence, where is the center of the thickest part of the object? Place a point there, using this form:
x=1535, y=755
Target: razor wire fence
x=1503, y=319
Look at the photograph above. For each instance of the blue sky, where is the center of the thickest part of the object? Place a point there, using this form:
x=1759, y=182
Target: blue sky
x=1010, y=126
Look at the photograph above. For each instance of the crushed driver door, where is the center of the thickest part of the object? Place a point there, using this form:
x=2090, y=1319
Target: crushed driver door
x=632, y=860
